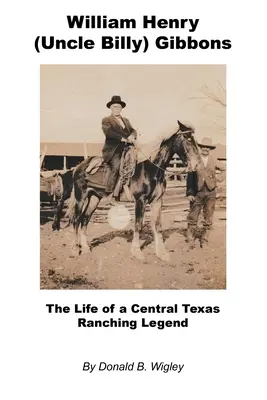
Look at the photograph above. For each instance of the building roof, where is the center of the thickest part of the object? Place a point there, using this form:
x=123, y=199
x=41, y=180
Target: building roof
x=95, y=149
x=71, y=149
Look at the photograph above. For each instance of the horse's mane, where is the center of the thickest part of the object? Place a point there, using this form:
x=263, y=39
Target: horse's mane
x=149, y=150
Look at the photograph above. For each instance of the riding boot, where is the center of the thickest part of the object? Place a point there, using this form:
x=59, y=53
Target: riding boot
x=127, y=192
x=204, y=239
x=191, y=237
x=117, y=189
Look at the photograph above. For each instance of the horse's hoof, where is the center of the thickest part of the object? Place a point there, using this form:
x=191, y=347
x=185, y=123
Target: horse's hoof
x=191, y=247
x=86, y=249
x=75, y=251
x=137, y=253
x=164, y=257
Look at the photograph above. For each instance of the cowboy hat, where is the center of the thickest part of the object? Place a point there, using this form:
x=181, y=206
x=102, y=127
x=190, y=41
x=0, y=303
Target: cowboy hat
x=116, y=100
x=207, y=142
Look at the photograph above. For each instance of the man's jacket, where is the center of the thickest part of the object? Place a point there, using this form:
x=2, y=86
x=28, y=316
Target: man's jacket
x=114, y=133
x=204, y=175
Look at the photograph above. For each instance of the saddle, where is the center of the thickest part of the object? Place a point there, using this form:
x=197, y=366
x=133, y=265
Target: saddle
x=94, y=165
x=54, y=186
x=97, y=170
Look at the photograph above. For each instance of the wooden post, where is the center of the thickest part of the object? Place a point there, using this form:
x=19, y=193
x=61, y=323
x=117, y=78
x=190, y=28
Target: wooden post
x=85, y=150
x=175, y=165
x=43, y=156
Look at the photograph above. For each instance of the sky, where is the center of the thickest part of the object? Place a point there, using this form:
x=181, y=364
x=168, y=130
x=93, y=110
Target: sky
x=73, y=100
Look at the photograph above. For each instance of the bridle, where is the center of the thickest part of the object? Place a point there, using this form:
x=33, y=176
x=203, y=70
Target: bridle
x=163, y=169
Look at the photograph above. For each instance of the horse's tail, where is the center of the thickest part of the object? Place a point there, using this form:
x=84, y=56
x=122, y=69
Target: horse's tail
x=75, y=208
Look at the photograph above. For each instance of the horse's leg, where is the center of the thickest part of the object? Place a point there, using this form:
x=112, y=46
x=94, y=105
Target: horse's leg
x=55, y=208
x=139, y=216
x=57, y=212
x=93, y=202
x=76, y=222
x=161, y=252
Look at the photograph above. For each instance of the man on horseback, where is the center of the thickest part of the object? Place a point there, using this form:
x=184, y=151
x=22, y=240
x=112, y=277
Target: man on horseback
x=119, y=132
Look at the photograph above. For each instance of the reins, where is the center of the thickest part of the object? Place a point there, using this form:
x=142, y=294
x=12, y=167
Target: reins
x=157, y=166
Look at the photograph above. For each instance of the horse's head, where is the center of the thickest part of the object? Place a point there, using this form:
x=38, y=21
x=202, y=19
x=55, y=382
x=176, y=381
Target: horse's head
x=186, y=146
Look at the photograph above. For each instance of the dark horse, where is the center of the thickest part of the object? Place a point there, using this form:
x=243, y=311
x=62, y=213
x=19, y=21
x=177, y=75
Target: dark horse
x=147, y=187
x=60, y=187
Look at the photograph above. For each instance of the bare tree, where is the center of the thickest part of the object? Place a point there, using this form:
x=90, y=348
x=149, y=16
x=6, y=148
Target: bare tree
x=207, y=94
x=213, y=103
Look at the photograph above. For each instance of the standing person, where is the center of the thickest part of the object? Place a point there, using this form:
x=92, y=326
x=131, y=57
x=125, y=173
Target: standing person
x=118, y=131
x=201, y=192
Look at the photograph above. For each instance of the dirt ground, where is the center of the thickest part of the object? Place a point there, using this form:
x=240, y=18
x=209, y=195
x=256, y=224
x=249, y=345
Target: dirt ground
x=109, y=265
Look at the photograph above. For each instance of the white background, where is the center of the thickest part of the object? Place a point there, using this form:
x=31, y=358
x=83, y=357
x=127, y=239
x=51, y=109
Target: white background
x=223, y=354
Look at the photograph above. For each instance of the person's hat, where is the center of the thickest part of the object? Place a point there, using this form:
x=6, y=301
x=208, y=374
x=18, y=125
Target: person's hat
x=207, y=142
x=116, y=100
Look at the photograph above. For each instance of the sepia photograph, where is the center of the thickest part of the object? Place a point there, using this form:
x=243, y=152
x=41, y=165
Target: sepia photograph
x=132, y=177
